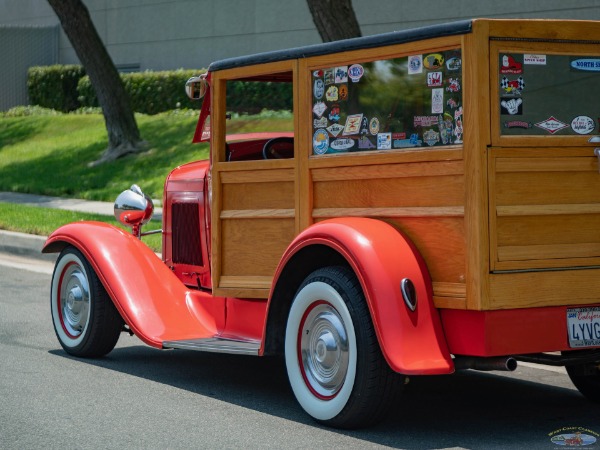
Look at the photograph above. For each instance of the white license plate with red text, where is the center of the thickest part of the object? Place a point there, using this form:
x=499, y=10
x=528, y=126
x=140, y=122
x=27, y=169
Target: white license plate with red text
x=583, y=325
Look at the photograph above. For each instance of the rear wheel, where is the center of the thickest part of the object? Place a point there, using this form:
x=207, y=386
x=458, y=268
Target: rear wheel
x=333, y=359
x=586, y=378
x=85, y=319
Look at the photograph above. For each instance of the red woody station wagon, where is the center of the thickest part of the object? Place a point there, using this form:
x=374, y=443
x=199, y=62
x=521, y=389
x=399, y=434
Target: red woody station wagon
x=435, y=207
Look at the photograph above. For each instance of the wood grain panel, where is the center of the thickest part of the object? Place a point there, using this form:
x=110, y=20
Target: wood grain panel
x=258, y=196
x=547, y=164
x=258, y=175
x=441, y=242
x=390, y=192
x=544, y=208
x=543, y=230
x=366, y=159
x=217, y=153
x=449, y=295
x=539, y=188
x=543, y=29
x=303, y=142
x=257, y=213
x=549, y=251
x=476, y=98
x=372, y=172
x=253, y=247
x=450, y=302
x=548, y=288
x=246, y=282
x=433, y=211
x=547, y=210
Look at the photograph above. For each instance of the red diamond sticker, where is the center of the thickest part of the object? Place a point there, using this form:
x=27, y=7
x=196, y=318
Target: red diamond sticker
x=551, y=125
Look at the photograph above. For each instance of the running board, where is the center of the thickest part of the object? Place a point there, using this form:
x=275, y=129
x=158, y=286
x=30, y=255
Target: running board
x=216, y=345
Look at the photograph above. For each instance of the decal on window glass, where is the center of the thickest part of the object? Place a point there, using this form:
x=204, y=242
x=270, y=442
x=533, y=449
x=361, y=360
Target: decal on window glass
x=548, y=95
x=394, y=104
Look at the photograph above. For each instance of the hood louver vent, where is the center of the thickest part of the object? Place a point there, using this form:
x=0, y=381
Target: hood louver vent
x=186, y=234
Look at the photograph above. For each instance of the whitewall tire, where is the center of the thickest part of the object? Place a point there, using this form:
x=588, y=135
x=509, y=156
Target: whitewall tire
x=331, y=353
x=85, y=320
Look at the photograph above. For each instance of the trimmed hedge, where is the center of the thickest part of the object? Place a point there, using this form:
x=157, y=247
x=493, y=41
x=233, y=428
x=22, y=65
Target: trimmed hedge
x=152, y=92
x=54, y=87
x=149, y=92
x=253, y=96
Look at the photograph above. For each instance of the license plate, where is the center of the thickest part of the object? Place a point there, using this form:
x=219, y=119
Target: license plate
x=584, y=327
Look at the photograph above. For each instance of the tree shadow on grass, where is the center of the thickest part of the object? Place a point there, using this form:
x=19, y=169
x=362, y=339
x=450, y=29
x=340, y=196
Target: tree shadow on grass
x=60, y=173
x=469, y=410
x=15, y=131
x=66, y=172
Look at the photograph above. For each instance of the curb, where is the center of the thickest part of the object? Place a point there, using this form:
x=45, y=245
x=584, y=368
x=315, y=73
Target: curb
x=30, y=245
x=69, y=204
x=23, y=244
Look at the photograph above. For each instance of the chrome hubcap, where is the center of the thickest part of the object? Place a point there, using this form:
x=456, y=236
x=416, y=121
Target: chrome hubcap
x=75, y=300
x=323, y=343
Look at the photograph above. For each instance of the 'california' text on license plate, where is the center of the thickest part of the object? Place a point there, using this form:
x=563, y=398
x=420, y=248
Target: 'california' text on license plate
x=584, y=327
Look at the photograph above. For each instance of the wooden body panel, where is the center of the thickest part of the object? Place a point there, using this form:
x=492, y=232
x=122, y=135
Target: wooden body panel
x=544, y=288
x=254, y=202
x=476, y=211
x=543, y=190
x=545, y=208
x=423, y=199
x=257, y=223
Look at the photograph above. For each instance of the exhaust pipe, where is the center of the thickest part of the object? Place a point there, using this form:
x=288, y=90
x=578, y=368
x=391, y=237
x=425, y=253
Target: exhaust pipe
x=506, y=363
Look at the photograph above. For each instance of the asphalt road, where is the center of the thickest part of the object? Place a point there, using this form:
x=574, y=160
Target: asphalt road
x=139, y=397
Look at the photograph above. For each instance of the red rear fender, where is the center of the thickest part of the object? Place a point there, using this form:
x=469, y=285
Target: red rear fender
x=381, y=257
x=150, y=298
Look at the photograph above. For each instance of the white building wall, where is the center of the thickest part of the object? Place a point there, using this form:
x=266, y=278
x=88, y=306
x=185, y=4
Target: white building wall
x=168, y=34
x=20, y=48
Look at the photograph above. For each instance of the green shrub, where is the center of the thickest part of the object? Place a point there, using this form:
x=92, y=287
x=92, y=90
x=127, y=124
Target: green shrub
x=151, y=92
x=154, y=92
x=253, y=96
x=28, y=110
x=54, y=87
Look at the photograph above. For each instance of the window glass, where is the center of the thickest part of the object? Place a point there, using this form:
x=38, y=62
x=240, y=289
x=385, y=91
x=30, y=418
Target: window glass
x=259, y=121
x=546, y=95
x=394, y=104
x=259, y=106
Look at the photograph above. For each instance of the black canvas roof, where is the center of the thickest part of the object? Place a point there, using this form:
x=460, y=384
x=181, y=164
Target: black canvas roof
x=378, y=40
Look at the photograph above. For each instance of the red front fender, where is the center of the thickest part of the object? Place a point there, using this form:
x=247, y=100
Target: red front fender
x=150, y=298
x=381, y=256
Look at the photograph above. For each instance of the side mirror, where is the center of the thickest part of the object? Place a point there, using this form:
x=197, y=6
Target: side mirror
x=133, y=208
x=196, y=87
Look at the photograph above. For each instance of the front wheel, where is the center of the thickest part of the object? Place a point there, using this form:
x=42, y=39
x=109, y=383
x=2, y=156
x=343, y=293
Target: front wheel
x=334, y=363
x=85, y=319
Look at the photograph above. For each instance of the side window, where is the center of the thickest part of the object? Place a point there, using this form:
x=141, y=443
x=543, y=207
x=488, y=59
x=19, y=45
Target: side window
x=544, y=94
x=393, y=104
x=259, y=119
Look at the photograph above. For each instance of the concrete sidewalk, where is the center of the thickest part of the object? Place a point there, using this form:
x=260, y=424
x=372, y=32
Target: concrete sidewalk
x=29, y=245
x=70, y=204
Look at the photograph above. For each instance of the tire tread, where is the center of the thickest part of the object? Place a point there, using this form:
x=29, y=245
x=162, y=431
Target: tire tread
x=106, y=323
x=376, y=388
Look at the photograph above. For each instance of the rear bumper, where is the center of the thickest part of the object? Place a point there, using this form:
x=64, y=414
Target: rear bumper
x=506, y=332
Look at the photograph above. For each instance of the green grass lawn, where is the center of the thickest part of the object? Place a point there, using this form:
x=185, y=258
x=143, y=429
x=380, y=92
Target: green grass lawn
x=43, y=221
x=49, y=155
